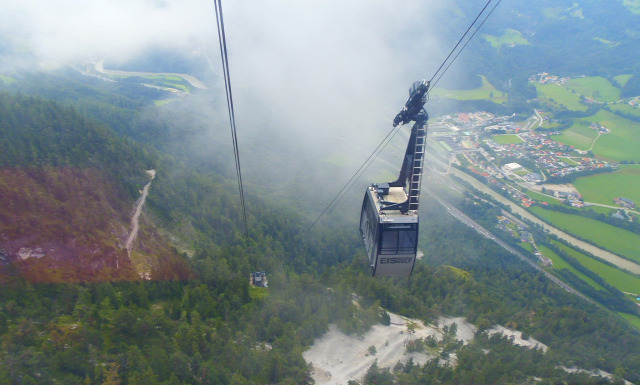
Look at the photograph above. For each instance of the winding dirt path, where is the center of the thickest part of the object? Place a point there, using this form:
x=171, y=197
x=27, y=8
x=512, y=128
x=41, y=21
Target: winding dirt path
x=136, y=214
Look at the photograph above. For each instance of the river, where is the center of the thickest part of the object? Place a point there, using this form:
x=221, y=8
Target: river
x=598, y=252
x=189, y=78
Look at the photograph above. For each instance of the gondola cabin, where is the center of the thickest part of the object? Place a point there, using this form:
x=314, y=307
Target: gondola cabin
x=390, y=237
x=389, y=216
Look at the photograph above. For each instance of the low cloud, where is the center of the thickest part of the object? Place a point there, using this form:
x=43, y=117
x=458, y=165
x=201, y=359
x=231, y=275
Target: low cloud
x=314, y=77
x=68, y=31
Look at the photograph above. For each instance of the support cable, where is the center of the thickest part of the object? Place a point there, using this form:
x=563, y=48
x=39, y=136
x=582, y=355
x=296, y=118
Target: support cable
x=232, y=119
x=460, y=40
x=354, y=178
x=373, y=156
x=464, y=46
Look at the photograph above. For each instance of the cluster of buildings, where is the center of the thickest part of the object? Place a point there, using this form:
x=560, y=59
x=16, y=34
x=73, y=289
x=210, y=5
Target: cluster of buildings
x=599, y=128
x=546, y=78
x=625, y=202
x=558, y=168
x=474, y=138
x=554, y=159
x=573, y=198
x=520, y=232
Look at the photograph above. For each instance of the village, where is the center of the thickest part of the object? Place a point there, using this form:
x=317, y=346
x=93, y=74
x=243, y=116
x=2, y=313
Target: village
x=514, y=158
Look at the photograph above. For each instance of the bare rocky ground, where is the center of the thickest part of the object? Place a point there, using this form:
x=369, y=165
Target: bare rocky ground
x=337, y=358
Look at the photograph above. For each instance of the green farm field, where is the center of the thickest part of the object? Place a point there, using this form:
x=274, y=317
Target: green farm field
x=602, y=188
x=622, y=143
x=559, y=264
x=507, y=139
x=542, y=198
x=484, y=92
x=597, y=88
x=625, y=108
x=580, y=135
x=623, y=79
x=510, y=37
x=599, y=209
x=619, y=279
x=560, y=96
x=569, y=161
x=617, y=240
x=633, y=320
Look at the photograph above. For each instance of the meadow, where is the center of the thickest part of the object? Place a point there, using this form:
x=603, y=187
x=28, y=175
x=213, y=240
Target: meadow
x=602, y=188
x=579, y=135
x=560, y=97
x=633, y=320
x=485, y=92
x=559, y=264
x=622, y=143
x=510, y=37
x=597, y=88
x=617, y=240
x=625, y=108
x=506, y=139
x=622, y=79
x=621, y=280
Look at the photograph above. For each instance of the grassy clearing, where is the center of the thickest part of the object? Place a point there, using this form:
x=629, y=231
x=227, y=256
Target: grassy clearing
x=617, y=240
x=633, y=319
x=510, y=38
x=625, y=109
x=568, y=161
x=560, y=97
x=507, y=139
x=597, y=88
x=167, y=78
x=598, y=209
x=258, y=293
x=542, y=198
x=485, y=92
x=619, y=279
x=622, y=79
x=580, y=135
x=162, y=102
x=559, y=264
x=622, y=142
x=602, y=188
x=527, y=246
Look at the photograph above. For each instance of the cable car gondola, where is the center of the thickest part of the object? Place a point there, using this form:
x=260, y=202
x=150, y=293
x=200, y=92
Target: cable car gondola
x=389, y=217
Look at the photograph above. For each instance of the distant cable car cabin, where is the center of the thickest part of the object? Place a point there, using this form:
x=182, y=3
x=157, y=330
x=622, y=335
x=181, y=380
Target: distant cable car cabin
x=389, y=217
x=258, y=279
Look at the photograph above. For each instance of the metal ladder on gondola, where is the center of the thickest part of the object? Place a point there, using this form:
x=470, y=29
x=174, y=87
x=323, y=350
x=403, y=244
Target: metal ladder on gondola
x=417, y=167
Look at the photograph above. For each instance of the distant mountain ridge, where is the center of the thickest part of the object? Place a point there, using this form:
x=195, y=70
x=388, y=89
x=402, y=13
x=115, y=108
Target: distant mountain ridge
x=562, y=37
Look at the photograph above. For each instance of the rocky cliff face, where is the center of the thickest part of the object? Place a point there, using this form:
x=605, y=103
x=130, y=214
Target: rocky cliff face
x=64, y=225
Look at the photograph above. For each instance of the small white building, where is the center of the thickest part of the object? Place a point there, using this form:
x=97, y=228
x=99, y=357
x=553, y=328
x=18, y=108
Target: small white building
x=512, y=167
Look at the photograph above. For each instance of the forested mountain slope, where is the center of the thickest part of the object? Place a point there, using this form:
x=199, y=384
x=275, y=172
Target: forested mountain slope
x=68, y=186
